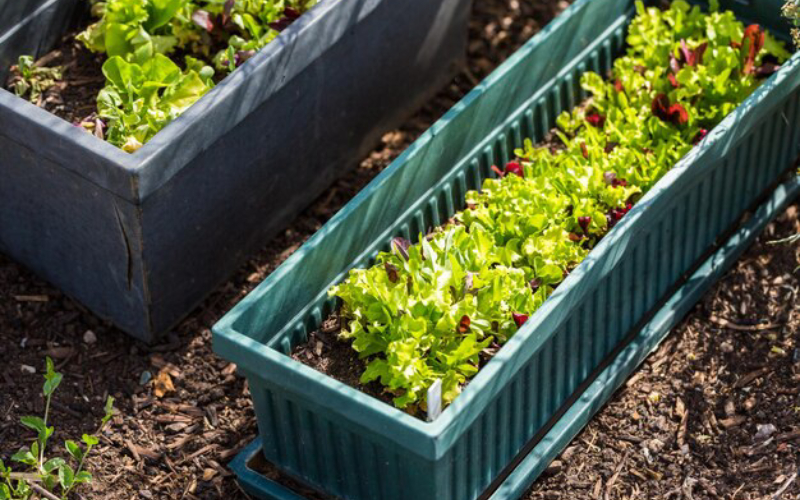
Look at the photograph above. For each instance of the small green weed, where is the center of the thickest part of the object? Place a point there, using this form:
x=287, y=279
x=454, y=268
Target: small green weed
x=52, y=478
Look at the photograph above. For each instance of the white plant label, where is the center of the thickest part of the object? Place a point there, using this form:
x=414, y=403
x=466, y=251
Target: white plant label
x=435, y=400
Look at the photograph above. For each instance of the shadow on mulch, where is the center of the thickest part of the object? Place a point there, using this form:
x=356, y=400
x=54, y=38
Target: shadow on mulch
x=177, y=446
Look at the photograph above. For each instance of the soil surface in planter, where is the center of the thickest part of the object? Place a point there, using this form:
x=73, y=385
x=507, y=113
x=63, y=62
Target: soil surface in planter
x=326, y=353
x=177, y=445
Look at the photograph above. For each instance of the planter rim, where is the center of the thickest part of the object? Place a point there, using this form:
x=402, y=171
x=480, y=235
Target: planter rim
x=433, y=439
x=145, y=167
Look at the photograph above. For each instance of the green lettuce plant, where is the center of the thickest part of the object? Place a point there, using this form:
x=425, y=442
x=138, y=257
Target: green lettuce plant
x=242, y=27
x=145, y=89
x=427, y=311
x=46, y=477
x=140, y=100
x=135, y=30
x=439, y=309
x=32, y=81
x=225, y=32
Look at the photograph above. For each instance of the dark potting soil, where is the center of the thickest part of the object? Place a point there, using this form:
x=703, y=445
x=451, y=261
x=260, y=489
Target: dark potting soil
x=327, y=353
x=74, y=97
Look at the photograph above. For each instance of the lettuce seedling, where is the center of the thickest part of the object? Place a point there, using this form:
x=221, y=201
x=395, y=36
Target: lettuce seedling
x=32, y=81
x=148, y=89
x=429, y=310
x=250, y=25
x=135, y=30
x=45, y=477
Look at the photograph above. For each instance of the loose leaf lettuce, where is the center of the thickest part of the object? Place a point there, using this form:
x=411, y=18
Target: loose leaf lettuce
x=139, y=100
x=438, y=309
x=133, y=29
x=431, y=312
x=31, y=81
x=791, y=10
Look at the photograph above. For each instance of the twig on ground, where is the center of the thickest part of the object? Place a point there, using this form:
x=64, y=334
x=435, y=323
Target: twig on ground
x=784, y=487
x=743, y=328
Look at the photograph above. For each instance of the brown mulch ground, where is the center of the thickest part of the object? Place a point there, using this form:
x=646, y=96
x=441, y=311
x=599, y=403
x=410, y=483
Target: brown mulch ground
x=177, y=446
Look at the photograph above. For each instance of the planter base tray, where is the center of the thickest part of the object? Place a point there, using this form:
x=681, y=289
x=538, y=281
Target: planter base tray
x=591, y=399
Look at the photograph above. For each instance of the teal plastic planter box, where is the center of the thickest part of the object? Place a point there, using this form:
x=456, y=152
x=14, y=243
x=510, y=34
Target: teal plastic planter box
x=350, y=445
x=140, y=239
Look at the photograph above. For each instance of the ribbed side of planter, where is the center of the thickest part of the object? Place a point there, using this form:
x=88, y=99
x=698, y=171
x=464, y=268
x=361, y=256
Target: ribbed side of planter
x=141, y=239
x=311, y=444
x=654, y=258
x=350, y=445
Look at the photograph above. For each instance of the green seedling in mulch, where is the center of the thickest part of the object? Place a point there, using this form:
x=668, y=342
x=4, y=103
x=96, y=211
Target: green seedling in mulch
x=32, y=81
x=53, y=478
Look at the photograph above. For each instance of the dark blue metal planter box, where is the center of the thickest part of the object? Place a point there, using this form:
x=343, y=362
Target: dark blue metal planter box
x=140, y=239
x=350, y=445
